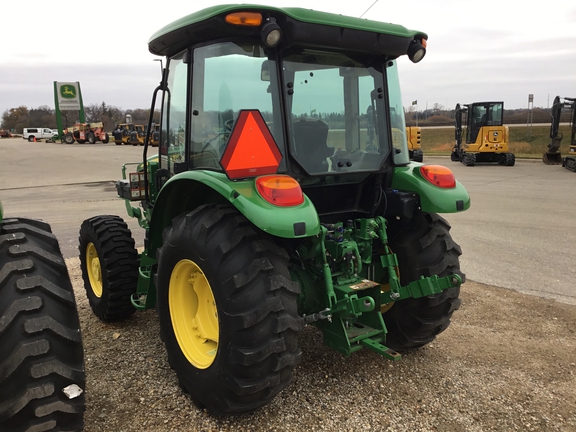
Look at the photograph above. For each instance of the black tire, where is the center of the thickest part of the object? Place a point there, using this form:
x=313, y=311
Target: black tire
x=109, y=264
x=424, y=248
x=469, y=159
x=30, y=138
x=256, y=330
x=418, y=156
x=91, y=138
x=68, y=138
x=41, y=359
x=510, y=159
x=105, y=138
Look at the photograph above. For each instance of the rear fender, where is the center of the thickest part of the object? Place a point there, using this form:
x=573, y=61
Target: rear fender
x=191, y=189
x=433, y=199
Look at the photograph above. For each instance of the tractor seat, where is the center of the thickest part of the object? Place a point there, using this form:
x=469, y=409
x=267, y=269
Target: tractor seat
x=310, y=139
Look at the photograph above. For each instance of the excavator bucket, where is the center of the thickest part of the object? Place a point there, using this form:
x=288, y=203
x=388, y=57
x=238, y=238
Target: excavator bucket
x=552, y=158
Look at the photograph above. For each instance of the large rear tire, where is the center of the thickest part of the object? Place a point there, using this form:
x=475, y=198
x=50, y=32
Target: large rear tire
x=109, y=264
x=424, y=248
x=42, y=378
x=228, y=310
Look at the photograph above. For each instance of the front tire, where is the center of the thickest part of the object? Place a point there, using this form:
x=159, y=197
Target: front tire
x=42, y=377
x=424, y=248
x=68, y=138
x=109, y=264
x=227, y=309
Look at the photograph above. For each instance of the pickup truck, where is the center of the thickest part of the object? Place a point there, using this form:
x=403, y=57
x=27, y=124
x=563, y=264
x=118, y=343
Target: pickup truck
x=38, y=133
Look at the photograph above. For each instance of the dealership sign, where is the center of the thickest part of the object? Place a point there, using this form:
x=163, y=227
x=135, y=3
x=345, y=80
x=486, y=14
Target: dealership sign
x=68, y=96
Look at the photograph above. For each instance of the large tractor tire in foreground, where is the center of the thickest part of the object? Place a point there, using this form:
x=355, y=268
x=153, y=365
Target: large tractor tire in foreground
x=42, y=377
x=109, y=264
x=228, y=310
x=424, y=248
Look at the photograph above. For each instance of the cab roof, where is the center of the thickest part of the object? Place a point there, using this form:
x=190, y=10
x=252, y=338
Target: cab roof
x=300, y=26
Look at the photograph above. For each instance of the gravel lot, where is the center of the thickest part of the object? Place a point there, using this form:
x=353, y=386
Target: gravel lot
x=507, y=363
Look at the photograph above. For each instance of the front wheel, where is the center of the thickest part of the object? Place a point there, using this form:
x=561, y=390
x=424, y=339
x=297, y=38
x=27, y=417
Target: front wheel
x=42, y=378
x=109, y=264
x=227, y=309
x=105, y=138
x=424, y=248
x=69, y=138
x=91, y=138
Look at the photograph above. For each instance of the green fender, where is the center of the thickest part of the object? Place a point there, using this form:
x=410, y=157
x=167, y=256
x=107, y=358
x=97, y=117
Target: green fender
x=433, y=199
x=191, y=189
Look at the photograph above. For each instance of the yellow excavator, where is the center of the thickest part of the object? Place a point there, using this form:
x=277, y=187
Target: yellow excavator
x=553, y=156
x=485, y=133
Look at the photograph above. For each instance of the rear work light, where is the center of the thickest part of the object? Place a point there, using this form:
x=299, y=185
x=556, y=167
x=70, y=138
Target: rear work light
x=280, y=190
x=439, y=176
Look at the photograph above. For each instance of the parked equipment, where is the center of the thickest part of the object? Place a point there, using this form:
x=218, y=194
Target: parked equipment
x=85, y=133
x=486, y=135
x=137, y=135
x=265, y=209
x=121, y=133
x=553, y=155
x=414, y=136
x=42, y=377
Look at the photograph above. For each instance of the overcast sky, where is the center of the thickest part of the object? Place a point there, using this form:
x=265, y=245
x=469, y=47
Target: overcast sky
x=477, y=51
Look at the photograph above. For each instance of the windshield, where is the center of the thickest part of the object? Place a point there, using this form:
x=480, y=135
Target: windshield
x=336, y=106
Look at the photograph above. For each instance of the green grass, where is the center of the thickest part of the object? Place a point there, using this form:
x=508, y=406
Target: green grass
x=524, y=142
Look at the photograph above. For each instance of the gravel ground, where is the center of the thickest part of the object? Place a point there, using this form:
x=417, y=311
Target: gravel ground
x=507, y=363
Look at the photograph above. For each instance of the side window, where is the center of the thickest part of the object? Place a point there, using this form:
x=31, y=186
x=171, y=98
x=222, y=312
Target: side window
x=174, y=115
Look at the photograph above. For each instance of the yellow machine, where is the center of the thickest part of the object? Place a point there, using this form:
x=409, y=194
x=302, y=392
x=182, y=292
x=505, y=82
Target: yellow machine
x=486, y=135
x=122, y=132
x=414, y=138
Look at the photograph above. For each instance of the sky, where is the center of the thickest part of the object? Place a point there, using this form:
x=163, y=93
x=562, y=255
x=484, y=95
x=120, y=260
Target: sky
x=477, y=50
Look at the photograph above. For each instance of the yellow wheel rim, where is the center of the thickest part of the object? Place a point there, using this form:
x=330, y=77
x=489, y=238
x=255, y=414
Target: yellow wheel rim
x=94, y=270
x=193, y=313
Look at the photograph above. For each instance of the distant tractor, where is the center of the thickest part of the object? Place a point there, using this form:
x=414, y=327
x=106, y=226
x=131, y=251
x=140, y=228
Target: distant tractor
x=281, y=196
x=553, y=155
x=86, y=133
x=486, y=137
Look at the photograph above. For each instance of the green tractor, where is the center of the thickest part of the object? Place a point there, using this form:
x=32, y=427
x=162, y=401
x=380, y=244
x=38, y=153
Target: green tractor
x=269, y=207
x=42, y=378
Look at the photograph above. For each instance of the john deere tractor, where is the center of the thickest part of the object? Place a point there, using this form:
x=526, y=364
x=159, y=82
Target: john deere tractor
x=42, y=378
x=487, y=139
x=268, y=208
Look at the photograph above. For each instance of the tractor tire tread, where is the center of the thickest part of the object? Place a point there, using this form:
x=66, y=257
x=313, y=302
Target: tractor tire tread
x=40, y=335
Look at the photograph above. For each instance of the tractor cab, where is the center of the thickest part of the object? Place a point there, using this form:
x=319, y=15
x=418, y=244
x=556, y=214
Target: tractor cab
x=331, y=114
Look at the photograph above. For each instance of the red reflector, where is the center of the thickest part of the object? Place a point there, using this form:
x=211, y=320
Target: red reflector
x=438, y=175
x=280, y=190
x=251, y=149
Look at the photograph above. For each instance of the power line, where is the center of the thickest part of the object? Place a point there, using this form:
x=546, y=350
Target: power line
x=368, y=8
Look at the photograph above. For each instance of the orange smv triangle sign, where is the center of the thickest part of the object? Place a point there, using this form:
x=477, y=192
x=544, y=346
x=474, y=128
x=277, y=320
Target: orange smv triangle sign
x=251, y=149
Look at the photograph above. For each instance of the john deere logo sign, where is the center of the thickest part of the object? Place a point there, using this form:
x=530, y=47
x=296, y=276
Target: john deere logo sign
x=68, y=92
x=68, y=97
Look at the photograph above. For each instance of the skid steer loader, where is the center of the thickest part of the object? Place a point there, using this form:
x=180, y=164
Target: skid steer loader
x=269, y=208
